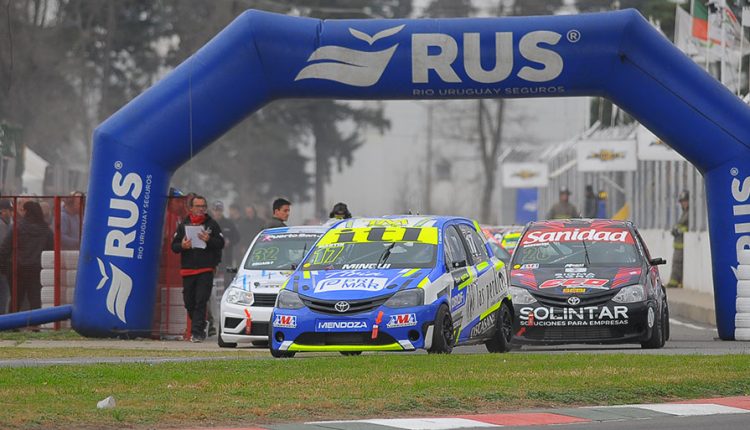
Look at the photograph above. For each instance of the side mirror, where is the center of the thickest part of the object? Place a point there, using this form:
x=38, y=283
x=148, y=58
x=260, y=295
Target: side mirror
x=657, y=261
x=231, y=270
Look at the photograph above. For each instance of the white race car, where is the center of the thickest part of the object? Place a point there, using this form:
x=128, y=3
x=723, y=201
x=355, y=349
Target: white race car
x=248, y=301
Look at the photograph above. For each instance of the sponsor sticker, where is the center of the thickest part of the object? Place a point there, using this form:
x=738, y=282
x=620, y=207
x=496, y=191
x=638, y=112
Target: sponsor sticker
x=582, y=316
x=575, y=270
x=350, y=284
x=597, y=284
x=517, y=266
x=458, y=300
x=484, y=325
x=577, y=235
x=285, y=321
x=348, y=325
x=574, y=290
x=530, y=266
x=402, y=320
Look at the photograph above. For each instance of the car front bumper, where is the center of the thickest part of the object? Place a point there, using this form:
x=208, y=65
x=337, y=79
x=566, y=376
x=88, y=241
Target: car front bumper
x=405, y=329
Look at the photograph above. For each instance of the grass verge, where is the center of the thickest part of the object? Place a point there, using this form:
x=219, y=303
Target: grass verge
x=226, y=393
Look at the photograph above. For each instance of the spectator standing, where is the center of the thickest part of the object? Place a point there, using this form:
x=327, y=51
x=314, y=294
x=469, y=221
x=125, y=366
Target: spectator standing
x=6, y=226
x=563, y=209
x=231, y=237
x=34, y=236
x=70, y=221
x=590, y=205
x=340, y=211
x=281, y=210
x=678, y=231
x=199, y=241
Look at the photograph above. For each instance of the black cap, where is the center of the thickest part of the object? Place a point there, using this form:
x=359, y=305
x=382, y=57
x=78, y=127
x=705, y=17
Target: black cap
x=340, y=210
x=684, y=195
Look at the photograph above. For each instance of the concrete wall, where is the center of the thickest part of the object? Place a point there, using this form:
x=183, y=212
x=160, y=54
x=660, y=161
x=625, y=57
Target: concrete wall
x=697, y=275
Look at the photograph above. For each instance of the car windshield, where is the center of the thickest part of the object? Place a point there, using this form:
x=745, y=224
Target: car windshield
x=597, y=247
x=374, y=248
x=279, y=251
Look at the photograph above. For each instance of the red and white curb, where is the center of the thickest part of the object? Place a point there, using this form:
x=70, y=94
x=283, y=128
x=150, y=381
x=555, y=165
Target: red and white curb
x=702, y=407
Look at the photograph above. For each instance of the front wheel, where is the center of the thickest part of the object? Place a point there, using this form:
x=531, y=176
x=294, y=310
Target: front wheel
x=500, y=340
x=442, y=335
x=223, y=344
x=282, y=354
x=657, y=338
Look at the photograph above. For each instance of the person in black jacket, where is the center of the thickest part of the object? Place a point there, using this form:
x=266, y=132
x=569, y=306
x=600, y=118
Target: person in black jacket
x=34, y=236
x=281, y=209
x=200, y=253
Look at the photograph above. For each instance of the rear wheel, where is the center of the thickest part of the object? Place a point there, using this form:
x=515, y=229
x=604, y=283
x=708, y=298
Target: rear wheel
x=223, y=344
x=351, y=353
x=500, y=340
x=656, y=340
x=442, y=335
x=666, y=321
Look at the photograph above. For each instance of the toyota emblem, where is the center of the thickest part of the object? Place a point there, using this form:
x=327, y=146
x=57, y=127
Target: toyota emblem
x=342, y=306
x=573, y=301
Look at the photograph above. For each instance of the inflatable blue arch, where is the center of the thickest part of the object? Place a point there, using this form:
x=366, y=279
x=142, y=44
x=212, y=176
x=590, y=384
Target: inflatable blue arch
x=261, y=57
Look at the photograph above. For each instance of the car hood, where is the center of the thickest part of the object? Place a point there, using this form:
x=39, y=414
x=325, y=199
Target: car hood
x=574, y=278
x=354, y=284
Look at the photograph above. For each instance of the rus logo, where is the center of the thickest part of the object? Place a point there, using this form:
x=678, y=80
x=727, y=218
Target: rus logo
x=123, y=218
x=741, y=193
x=437, y=52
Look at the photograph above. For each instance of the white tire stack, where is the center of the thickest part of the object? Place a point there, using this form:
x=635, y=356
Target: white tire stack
x=68, y=272
x=742, y=317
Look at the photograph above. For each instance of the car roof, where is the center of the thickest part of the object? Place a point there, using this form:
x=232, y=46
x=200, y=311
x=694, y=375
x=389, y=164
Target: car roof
x=582, y=223
x=297, y=229
x=400, y=221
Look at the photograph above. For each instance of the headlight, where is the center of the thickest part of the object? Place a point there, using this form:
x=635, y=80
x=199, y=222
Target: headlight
x=631, y=294
x=239, y=296
x=289, y=300
x=521, y=296
x=406, y=299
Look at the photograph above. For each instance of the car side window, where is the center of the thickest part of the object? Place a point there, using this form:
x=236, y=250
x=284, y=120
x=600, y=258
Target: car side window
x=643, y=245
x=475, y=244
x=455, y=251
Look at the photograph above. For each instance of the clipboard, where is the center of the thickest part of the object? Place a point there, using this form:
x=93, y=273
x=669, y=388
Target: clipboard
x=191, y=232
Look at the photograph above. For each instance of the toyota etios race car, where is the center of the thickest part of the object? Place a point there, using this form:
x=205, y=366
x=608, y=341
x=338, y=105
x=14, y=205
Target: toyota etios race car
x=395, y=284
x=587, y=281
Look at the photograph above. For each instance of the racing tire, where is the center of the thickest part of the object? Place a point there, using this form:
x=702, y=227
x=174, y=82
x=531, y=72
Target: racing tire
x=656, y=340
x=351, y=353
x=223, y=344
x=261, y=343
x=667, y=330
x=442, y=335
x=501, y=338
x=282, y=354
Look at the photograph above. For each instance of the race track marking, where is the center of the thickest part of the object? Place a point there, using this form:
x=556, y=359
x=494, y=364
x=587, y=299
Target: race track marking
x=689, y=409
x=690, y=326
x=420, y=423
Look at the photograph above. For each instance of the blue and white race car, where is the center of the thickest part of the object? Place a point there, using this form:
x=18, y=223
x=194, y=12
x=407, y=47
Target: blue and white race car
x=395, y=284
x=247, y=304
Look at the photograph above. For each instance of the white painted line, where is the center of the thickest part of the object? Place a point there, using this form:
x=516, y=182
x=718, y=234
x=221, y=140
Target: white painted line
x=688, y=325
x=686, y=409
x=419, y=423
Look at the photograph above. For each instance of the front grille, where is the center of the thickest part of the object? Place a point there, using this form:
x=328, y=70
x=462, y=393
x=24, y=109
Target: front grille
x=355, y=306
x=572, y=334
x=230, y=322
x=264, y=300
x=561, y=301
x=336, y=338
x=259, y=329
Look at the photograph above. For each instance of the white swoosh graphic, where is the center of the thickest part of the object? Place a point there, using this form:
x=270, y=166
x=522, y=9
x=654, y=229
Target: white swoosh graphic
x=734, y=269
x=104, y=274
x=379, y=35
x=348, y=66
x=119, y=291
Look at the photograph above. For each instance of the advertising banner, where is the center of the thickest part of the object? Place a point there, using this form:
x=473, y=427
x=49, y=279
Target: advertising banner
x=651, y=148
x=606, y=156
x=525, y=175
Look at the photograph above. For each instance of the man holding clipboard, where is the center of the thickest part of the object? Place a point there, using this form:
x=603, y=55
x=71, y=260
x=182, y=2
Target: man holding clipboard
x=199, y=242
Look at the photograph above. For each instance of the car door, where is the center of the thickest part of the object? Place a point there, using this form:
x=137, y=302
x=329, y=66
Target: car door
x=485, y=293
x=459, y=267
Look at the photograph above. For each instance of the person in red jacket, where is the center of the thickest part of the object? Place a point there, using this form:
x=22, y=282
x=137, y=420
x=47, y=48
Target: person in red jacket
x=199, y=241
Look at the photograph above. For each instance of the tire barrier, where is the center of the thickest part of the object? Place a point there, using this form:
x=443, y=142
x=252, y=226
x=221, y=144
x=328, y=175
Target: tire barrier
x=262, y=56
x=742, y=317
